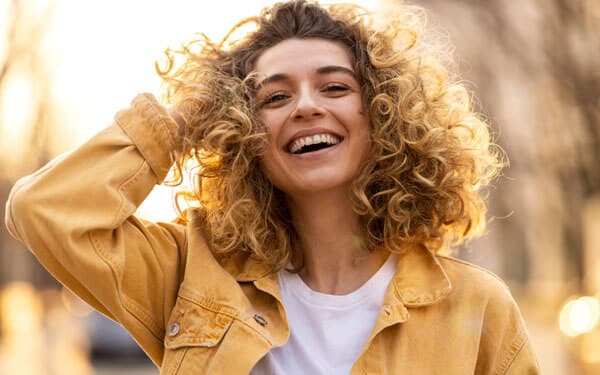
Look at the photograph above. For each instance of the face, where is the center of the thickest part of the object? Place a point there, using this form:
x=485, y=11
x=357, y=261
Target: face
x=311, y=105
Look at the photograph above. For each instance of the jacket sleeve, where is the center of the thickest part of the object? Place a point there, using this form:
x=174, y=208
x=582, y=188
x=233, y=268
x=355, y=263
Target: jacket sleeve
x=524, y=361
x=76, y=215
x=505, y=347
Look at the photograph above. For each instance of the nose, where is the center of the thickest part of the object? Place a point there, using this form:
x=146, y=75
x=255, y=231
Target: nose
x=307, y=106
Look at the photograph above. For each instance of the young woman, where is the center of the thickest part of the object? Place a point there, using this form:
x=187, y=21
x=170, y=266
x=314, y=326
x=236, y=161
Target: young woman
x=336, y=161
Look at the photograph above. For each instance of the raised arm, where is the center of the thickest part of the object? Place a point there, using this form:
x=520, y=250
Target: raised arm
x=76, y=216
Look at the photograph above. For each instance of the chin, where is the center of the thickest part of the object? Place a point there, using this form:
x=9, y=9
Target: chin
x=318, y=186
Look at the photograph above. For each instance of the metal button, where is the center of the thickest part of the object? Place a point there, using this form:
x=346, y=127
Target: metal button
x=387, y=311
x=409, y=295
x=173, y=329
x=260, y=320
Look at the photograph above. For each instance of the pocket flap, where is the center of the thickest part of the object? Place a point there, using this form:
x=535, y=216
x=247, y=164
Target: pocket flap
x=192, y=324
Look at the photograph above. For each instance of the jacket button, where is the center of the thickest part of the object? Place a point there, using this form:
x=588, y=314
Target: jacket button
x=260, y=320
x=387, y=311
x=173, y=329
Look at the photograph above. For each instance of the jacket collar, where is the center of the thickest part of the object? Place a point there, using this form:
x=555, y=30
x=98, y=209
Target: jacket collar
x=419, y=280
x=245, y=268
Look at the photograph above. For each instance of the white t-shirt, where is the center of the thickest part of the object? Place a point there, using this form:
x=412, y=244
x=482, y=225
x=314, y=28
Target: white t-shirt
x=328, y=331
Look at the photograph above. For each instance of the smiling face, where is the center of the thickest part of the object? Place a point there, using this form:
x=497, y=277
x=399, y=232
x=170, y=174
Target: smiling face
x=311, y=104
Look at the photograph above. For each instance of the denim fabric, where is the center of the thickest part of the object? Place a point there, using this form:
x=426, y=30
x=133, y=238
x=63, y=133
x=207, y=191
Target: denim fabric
x=193, y=314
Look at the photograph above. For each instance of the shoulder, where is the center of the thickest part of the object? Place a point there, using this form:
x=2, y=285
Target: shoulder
x=484, y=298
x=470, y=280
x=467, y=269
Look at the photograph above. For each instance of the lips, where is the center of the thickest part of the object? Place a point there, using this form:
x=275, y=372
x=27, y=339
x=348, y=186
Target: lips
x=309, y=143
x=313, y=139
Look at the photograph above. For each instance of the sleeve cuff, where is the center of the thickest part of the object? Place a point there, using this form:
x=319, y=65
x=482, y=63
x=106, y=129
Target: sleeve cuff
x=152, y=130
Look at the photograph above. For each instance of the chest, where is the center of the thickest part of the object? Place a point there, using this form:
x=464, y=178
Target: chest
x=327, y=332
x=206, y=336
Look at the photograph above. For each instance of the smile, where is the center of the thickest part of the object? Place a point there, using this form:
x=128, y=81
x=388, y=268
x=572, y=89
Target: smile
x=313, y=143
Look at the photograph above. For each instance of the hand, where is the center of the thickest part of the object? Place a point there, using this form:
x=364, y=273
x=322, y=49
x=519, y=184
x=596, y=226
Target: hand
x=177, y=118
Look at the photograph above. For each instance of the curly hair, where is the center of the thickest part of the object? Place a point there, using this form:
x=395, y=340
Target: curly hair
x=430, y=152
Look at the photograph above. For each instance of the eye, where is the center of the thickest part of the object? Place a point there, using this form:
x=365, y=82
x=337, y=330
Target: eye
x=274, y=98
x=336, y=88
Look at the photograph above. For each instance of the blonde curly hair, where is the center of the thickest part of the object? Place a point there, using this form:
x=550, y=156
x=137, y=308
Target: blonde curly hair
x=430, y=151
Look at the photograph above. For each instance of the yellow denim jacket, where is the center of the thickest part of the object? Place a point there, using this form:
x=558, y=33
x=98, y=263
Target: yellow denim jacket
x=194, y=315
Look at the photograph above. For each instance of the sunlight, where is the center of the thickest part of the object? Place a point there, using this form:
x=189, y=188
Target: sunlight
x=21, y=318
x=101, y=54
x=105, y=51
x=579, y=316
x=14, y=113
x=39, y=336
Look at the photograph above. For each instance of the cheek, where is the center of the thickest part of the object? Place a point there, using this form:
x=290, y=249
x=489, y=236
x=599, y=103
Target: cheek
x=364, y=139
x=272, y=121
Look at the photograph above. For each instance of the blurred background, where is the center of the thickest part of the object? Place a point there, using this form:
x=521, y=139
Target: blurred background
x=67, y=66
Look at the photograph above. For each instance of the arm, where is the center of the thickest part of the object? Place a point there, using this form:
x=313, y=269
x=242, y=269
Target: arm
x=76, y=216
x=524, y=361
x=505, y=347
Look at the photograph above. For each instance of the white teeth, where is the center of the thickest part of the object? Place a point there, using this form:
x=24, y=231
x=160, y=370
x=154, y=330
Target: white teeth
x=311, y=140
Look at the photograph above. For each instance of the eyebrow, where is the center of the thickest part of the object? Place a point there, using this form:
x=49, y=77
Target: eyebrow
x=322, y=70
x=336, y=69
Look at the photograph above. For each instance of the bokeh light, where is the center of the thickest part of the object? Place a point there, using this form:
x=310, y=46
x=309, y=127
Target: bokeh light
x=532, y=70
x=579, y=316
x=21, y=317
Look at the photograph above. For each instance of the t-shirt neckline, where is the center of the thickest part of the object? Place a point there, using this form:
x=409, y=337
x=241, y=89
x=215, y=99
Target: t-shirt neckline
x=294, y=283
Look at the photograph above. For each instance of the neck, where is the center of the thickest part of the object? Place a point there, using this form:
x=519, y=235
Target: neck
x=336, y=260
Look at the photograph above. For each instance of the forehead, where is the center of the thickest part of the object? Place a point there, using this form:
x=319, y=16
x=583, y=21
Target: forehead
x=298, y=55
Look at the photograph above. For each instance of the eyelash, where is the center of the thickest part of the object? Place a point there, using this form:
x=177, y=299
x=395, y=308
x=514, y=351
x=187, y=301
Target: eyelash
x=336, y=87
x=276, y=97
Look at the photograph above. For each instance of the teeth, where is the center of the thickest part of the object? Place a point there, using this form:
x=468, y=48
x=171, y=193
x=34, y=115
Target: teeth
x=311, y=140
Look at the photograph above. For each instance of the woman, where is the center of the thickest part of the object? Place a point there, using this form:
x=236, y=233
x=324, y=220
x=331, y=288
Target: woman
x=336, y=162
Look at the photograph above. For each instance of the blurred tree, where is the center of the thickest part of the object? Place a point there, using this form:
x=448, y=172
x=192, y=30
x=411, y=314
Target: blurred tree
x=535, y=67
x=25, y=86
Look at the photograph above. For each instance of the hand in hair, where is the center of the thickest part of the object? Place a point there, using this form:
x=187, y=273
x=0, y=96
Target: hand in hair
x=177, y=118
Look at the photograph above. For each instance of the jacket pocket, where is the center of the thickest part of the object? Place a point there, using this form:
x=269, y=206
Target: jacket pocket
x=193, y=334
